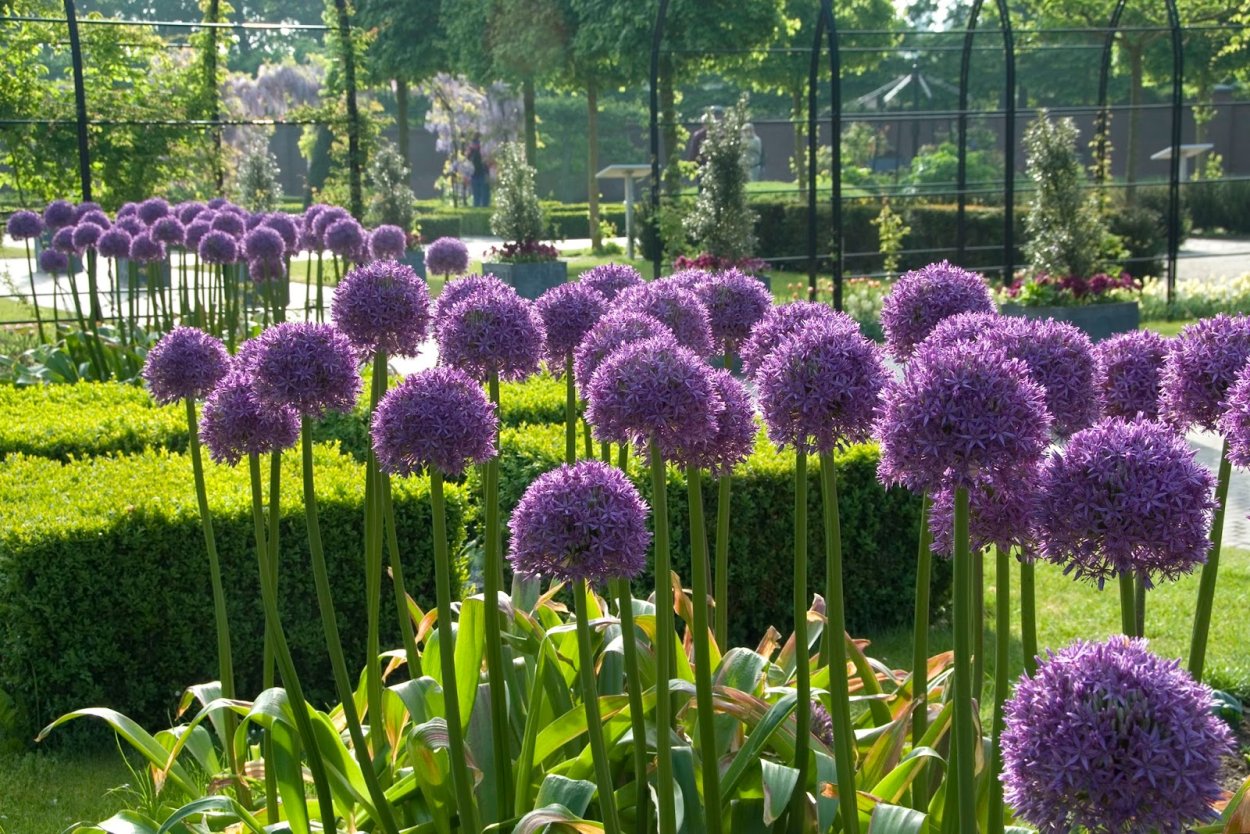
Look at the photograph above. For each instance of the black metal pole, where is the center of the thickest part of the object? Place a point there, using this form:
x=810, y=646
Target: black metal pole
x=354, y=162
x=961, y=175
x=1174, y=164
x=657, y=37
x=835, y=143
x=212, y=92
x=1103, y=120
x=812, y=85
x=80, y=101
x=1009, y=142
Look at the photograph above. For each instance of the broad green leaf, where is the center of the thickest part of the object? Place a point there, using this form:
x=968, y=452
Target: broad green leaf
x=422, y=697
x=289, y=772
x=555, y=818
x=883, y=755
x=573, y=794
x=346, y=778
x=689, y=805
x=205, y=694
x=894, y=819
x=757, y=741
x=470, y=646
x=136, y=736
x=222, y=808
x=779, y=783
x=892, y=786
x=127, y=822
x=748, y=817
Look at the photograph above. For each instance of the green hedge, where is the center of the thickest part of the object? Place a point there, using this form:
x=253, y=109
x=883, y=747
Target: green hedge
x=564, y=220
x=104, y=591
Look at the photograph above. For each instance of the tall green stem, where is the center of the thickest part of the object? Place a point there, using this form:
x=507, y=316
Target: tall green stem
x=34, y=296
x=1206, y=585
x=1128, y=604
x=570, y=412
x=1002, y=645
x=494, y=638
x=802, y=669
x=964, y=758
x=590, y=702
x=373, y=567
x=589, y=441
x=334, y=645
x=835, y=649
x=1028, y=614
x=397, y=580
x=702, y=653
x=262, y=552
x=633, y=679
x=1139, y=587
x=978, y=622
x=723, y=488
x=920, y=640
x=665, y=662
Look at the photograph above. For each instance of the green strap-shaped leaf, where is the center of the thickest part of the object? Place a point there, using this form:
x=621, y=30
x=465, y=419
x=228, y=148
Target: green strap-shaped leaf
x=779, y=783
x=223, y=808
x=756, y=742
x=894, y=819
x=892, y=786
x=126, y=822
x=136, y=736
x=690, y=806
x=289, y=772
x=470, y=646
x=555, y=818
x=573, y=794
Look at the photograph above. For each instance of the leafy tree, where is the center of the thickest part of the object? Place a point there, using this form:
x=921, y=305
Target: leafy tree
x=518, y=217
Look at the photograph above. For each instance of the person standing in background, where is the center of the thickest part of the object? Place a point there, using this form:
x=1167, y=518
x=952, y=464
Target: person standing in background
x=480, y=180
x=752, y=152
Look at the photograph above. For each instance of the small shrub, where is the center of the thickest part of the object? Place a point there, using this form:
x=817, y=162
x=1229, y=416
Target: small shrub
x=390, y=197
x=722, y=223
x=518, y=216
x=258, y=184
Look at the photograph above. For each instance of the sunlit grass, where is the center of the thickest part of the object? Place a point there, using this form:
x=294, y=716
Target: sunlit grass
x=44, y=792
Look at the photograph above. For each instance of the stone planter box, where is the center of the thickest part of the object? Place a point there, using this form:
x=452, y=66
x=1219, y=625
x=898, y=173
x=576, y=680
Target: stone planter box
x=530, y=280
x=1098, y=321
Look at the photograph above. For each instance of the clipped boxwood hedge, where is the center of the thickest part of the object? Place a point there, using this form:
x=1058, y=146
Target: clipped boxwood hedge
x=104, y=589
x=564, y=220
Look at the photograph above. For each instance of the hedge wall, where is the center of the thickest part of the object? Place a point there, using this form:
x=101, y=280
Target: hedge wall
x=564, y=220
x=104, y=590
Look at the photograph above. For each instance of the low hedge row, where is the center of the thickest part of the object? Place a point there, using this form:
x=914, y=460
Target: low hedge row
x=104, y=589
x=564, y=220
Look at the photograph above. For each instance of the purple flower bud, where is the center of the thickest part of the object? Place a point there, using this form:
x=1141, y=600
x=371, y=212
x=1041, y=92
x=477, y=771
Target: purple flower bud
x=308, y=367
x=568, y=312
x=610, y=279
x=218, y=247
x=169, y=230
x=779, y=323
x=228, y=223
x=447, y=256
x=145, y=249
x=679, y=309
x=131, y=224
x=185, y=364
x=86, y=235
x=345, y=238
x=23, y=225
x=383, y=306
x=84, y=208
x=58, y=213
x=491, y=331
x=63, y=240
x=235, y=423
x=580, y=522
x=53, y=261
x=1129, y=373
x=1202, y=362
x=287, y=227
x=153, y=209
x=115, y=243
x=263, y=243
x=735, y=303
x=923, y=297
x=438, y=418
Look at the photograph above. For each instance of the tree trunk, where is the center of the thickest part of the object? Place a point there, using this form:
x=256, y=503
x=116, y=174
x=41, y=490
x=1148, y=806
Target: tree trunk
x=531, y=122
x=401, y=116
x=1136, y=73
x=799, y=115
x=592, y=162
x=668, y=117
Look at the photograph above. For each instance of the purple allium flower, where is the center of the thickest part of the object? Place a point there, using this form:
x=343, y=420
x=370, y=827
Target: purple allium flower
x=383, y=306
x=58, y=213
x=23, y=225
x=115, y=243
x=1202, y=362
x=610, y=279
x=128, y=210
x=218, y=247
x=491, y=332
x=263, y=243
x=679, y=309
x=63, y=240
x=687, y=279
x=735, y=303
x=95, y=216
x=820, y=387
x=345, y=238
x=185, y=364
x=145, y=249
x=388, y=243
x=580, y=522
x=822, y=724
x=1234, y=423
x=235, y=423
x=958, y=416
x=188, y=212
x=286, y=226
x=923, y=297
x=458, y=289
x=437, y=418
x=86, y=235
x=84, y=208
x=778, y=324
x=447, y=256
x=264, y=270
x=324, y=219
x=568, y=312
x=254, y=219
x=309, y=367
x=1109, y=738
x=963, y=327
x=654, y=389
x=1125, y=496
x=609, y=333
x=1128, y=372
x=131, y=223
x=1061, y=360
x=153, y=209
x=169, y=230
x=218, y=203
x=736, y=429
x=53, y=260
x=1000, y=513
x=196, y=230
x=228, y=223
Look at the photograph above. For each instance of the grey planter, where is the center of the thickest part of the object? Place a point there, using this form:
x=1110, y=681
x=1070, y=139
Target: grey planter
x=1098, y=321
x=530, y=280
x=416, y=260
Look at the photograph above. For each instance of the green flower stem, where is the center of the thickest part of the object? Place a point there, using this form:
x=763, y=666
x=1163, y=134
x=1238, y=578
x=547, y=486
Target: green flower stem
x=590, y=441
x=1002, y=647
x=1128, y=604
x=835, y=649
x=703, y=653
x=590, y=702
x=96, y=351
x=802, y=669
x=962, y=766
x=308, y=282
x=633, y=679
x=329, y=622
x=225, y=664
x=34, y=297
x=1028, y=615
x=665, y=662
x=1139, y=586
x=373, y=568
x=605, y=452
x=273, y=628
x=494, y=638
x=262, y=552
x=978, y=622
x=570, y=412
x=397, y=580
x=723, y=487
x=1206, y=585
x=461, y=783
x=920, y=640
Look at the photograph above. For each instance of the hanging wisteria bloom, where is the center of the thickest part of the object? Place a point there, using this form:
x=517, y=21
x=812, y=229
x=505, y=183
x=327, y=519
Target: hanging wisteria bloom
x=820, y=387
x=86, y=236
x=678, y=308
x=1129, y=374
x=23, y=225
x=1125, y=497
x=491, y=332
x=382, y=306
x=610, y=279
x=447, y=256
x=186, y=363
x=437, y=418
x=169, y=230
x=218, y=247
x=568, y=312
x=229, y=223
x=235, y=423
x=609, y=333
x=345, y=238
x=735, y=303
x=263, y=244
x=308, y=367
x=779, y=323
x=287, y=227
x=923, y=297
x=654, y=389
x=115, y=243
x=63, y=240
x=152, y=209
x=58, y=213
x=734, y=438
x=580, y=522
x=1111, y=739
x=1000, y=513
x=52, y=260
x=388, y=243
x=959, y=415
x=1202, y=363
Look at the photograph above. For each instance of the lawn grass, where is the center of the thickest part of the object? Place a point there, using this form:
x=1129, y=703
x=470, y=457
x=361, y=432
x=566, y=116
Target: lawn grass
x=44, y=792
x=12, y=310
x=1166, y=328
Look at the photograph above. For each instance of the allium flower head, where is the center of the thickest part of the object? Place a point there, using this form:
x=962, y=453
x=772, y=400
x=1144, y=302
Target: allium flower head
x=169, y=230
x=963, y=327
x=84, y=208
x=128, y=210
x=63, y=240
x=263, y=243
x=923, y=297
x=820, y=387
x=58, y=213
x=53, y=261
x=458, y=289
x=1000, y=513
x=568, y=312
x=958, y=416
x=322, y=220
x=185, y=364
x=735, y=303
x=580, y=522
x=264, y=270
x=1061, y=360
x=23, y=225
x=308, y=367
x=736, y=429
x=254, y=219
x=437, y=418
x=679, y=309
x=657, y=390
x=383, y=306
x=447, y=256
x=345, y=238
x=492, y=331
x=1202, y=362
x=86, y=235
x=1128, y=371
x=388, y=243
x=218, y=247
x=229, y=223
x=131, y=224
x=218, y=203
x=822, y=724
x=152, y=209
x=95, y=216
x=1125, y=496
x=188, y=212
x=287, y=227
x=195, y=232
x=1111, y=739
x=610, y=279
x=235, y=423
x=687, y=279
x=1234, y=423
x=779, y=323
x=609, y=333
x=115, y=243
